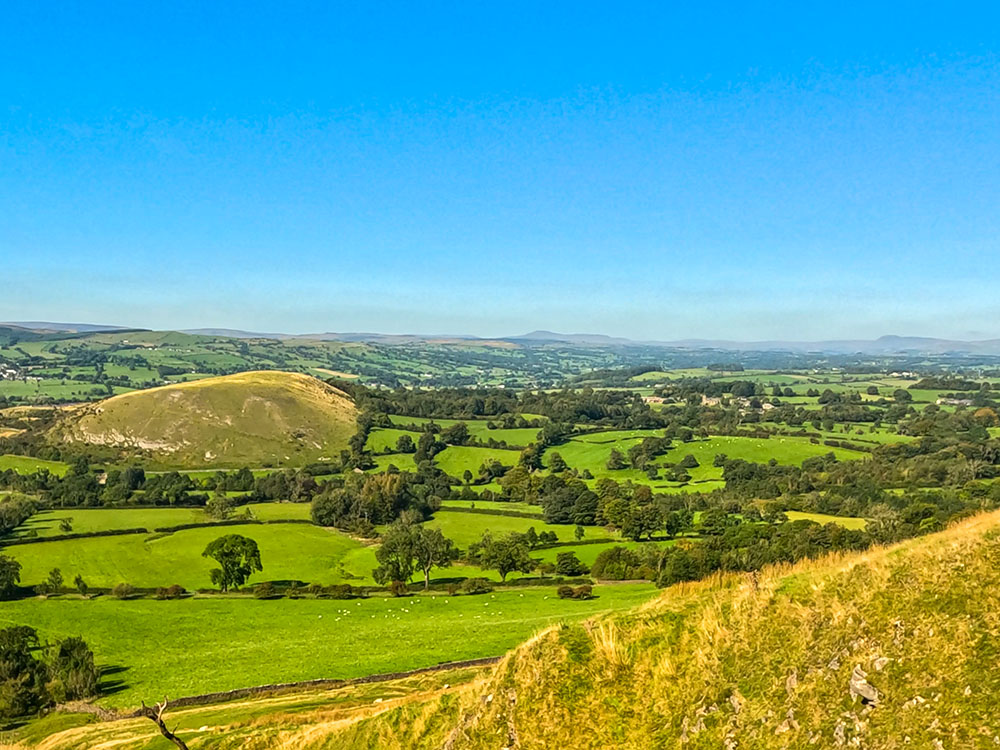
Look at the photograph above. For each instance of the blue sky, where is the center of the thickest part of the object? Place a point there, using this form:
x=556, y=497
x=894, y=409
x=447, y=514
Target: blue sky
x=795, y=171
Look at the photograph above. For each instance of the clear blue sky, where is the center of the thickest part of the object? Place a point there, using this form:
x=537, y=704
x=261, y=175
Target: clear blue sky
x=797, y=170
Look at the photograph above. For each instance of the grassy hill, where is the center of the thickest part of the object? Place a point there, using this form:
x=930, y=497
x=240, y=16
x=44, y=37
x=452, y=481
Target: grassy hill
x=281, y=418
x=734, y=662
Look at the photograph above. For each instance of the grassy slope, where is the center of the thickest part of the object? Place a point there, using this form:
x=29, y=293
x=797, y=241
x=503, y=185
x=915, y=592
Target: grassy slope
x=712, y=663
x=262, y=642
x=29, y=465
x=244, y=419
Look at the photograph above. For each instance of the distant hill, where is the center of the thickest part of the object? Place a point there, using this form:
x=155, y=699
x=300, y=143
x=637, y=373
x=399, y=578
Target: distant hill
x=857, y=650
x=43, y=326
x=252, y=418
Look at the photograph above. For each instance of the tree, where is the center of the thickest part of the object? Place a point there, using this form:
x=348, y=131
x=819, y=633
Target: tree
x=902, y=396
x=689, y=462
x=467, y=476
x=219, y=506
x=81, y=585
x=397, y=553
x=556, y=463
x=405, y=444
x=432, y=549
x=54, y=582
x=66, y=525
x=22, y=676
x=615, y=460
x=568, y=564
x=579, y=533
x=505, y=556
x=72, y=671
x=10, y=576
x=238, y=558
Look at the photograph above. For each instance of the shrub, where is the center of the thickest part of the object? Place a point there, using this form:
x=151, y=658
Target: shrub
x=398, y=588
x=314, y=589
x=264, y=590
x=170, y=592
x=476, y=586
x=294, y=592
x=452, y=589
x=123, y=591
x=341, y=591
x=176, y=591
x=580, y=592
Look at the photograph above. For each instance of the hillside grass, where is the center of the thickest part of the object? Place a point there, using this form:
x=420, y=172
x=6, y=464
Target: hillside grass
x=745, y=662
x=29, y=465
x=262, y=642
x=248, y=419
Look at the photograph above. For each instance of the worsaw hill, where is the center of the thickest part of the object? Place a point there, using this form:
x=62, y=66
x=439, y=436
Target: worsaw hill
x=248, y=419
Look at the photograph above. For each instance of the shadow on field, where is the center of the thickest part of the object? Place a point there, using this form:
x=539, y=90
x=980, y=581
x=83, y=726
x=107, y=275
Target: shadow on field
x=111, y=686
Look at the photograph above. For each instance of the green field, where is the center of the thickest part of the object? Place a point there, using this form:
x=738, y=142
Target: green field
x=515, y=436
x=592, y=451
x=456, y=459
x=288, y=551
x=87, y=520
x=29, y=465
x=262, y=642
x=466, y=528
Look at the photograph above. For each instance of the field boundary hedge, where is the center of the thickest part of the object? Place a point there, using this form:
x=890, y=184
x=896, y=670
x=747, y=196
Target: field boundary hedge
x=227, y=695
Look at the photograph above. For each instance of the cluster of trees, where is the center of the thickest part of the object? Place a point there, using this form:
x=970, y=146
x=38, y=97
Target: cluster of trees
x=34, y=676
x=81, y=486
x=364, y=500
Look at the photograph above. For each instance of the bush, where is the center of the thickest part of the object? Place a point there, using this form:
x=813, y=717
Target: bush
x=123, y=591
x=170, y=592
x=314, y=589
x=341, y=591
x=398, y=588
x=476, y=586
x=580, y=592
x=264, y=590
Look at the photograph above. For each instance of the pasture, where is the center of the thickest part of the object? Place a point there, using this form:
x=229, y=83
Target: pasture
x=29, y=465
x=87, y=520
x=305, y=638
x=301, y=552
x=456, y=459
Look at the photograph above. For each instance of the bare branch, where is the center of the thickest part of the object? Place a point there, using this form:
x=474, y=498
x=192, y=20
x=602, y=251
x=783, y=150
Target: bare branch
x=156, y=716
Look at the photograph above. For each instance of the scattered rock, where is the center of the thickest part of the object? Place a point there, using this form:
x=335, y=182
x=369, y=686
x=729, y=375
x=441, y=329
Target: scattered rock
x=860, y=688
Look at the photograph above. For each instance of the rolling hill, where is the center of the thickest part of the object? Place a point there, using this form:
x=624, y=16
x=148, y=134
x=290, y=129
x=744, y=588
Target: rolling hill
x=252, y=418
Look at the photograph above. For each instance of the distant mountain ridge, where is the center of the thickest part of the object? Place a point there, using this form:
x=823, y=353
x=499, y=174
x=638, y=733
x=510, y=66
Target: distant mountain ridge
x=884, y=345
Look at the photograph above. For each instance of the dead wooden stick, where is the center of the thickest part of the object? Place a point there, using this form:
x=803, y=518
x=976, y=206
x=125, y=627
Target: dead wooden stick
x=156, y=716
